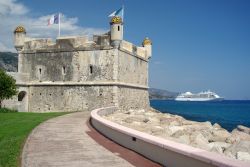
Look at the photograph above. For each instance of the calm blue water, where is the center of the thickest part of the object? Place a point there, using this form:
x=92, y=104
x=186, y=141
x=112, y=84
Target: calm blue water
x=227, y=113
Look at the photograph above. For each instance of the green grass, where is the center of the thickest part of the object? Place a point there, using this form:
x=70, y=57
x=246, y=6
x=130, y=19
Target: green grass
x=14, y=129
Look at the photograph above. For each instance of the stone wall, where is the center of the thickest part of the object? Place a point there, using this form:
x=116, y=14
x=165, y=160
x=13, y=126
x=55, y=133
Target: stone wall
x=133, y=98
x=132, y=69
x=69, y=98
x=76, y=66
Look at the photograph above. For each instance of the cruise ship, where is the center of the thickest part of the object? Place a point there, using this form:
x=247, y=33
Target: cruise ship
x=202, y=96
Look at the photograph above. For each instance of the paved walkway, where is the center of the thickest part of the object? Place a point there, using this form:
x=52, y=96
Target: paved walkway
x=70, y=141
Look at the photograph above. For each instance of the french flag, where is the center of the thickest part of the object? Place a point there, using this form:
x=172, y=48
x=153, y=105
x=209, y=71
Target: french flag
x=54, y=19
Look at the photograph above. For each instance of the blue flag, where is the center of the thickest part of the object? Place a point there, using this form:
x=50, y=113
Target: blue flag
x=119, y=12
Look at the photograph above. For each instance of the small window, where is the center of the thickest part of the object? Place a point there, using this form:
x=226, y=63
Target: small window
x=91, y=69
x=64, y=70
x=118, y=28
x=40, y=74
x=21, y=95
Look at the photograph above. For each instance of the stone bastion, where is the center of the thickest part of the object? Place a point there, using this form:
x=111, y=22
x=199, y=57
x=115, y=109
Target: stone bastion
x=76, y=73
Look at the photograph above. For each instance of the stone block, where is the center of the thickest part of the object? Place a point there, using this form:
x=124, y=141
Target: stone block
x=127, y=46
x=140, y=51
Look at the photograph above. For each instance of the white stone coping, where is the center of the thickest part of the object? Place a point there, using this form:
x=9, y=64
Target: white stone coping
x=81, y=84
x=210, y=158
x=132, y=54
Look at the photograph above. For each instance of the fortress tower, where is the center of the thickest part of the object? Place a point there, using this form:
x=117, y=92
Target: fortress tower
x=19, y=38
x=76, y=74
x=116, y=31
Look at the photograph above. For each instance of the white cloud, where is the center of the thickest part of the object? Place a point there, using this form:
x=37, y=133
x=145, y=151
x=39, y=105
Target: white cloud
x=13, y=14
x=11, y=7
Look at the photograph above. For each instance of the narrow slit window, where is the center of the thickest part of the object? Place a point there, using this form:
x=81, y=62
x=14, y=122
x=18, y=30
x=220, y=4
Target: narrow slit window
x=64, y=70
x=118, y=28
x=91, y=69
x=40, y=71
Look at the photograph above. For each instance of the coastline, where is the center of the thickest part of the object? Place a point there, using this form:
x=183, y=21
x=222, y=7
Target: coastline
x=228, y=113
x=201, y=135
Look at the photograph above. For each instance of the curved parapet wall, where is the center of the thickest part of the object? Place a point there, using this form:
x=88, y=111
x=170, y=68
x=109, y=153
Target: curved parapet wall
x=165, y=152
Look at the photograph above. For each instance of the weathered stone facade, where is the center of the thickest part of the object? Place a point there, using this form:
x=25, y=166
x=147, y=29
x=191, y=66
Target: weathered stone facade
x=75, y=74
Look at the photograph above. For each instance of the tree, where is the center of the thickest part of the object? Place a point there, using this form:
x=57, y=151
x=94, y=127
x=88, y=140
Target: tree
x=7, y=86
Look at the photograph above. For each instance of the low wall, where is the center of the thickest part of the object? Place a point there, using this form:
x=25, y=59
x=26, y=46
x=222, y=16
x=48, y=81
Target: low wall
x=165, y=152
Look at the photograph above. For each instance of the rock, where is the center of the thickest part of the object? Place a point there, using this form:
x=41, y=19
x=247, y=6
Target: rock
x=219, y=144
x=237, y=136
x=218, y=147
x=139, y=111
x=145, y=120
x=153, y=110
x=151, y=114
x=202, y=135
x=241, y=146
x=206, y=124
x=217, y=150
x=137, y=118
x=207, y=134
x=198, y=127
x=243, y=129
x=229, y=154
x=128, y=112
x=153, y=121
x=244, y=156
x=219, y=135
x=216, y=126
x=198, y=140
x=164, y=121
x=156, y=130
x=173, y=129
x=187, y=122
x=185, y=139
x=179, y=133
x=174, y=123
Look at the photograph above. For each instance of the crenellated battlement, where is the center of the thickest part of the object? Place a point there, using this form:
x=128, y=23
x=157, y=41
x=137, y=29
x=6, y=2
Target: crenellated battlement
x=80, y=43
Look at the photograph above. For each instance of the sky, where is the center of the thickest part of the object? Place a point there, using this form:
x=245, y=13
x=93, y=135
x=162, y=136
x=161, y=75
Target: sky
x=197, y=44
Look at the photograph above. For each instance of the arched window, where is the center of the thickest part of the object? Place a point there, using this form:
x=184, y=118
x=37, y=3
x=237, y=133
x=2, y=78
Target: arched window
x=21, y=95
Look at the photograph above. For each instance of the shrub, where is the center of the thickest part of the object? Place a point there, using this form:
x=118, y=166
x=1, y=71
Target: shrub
x=7, y=86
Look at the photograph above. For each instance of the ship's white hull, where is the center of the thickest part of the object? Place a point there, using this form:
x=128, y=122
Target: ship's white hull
x=198, y=99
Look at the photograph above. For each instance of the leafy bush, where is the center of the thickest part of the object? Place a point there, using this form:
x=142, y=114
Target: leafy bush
x=6, y=110
x=7, y=86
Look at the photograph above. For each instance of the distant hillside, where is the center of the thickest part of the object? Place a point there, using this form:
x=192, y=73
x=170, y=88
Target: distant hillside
x=8, y=61
x=161, y=94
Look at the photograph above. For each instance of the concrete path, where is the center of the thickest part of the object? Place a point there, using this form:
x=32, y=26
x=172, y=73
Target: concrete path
x=70, y=141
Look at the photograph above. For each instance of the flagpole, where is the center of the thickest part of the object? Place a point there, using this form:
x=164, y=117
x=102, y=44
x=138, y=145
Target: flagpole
x=122, y=12
x=59, y=24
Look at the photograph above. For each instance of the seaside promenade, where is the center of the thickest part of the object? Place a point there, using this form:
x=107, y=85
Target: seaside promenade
x=70, y=140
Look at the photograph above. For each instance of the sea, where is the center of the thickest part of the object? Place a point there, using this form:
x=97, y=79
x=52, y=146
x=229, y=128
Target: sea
x=227, y=113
